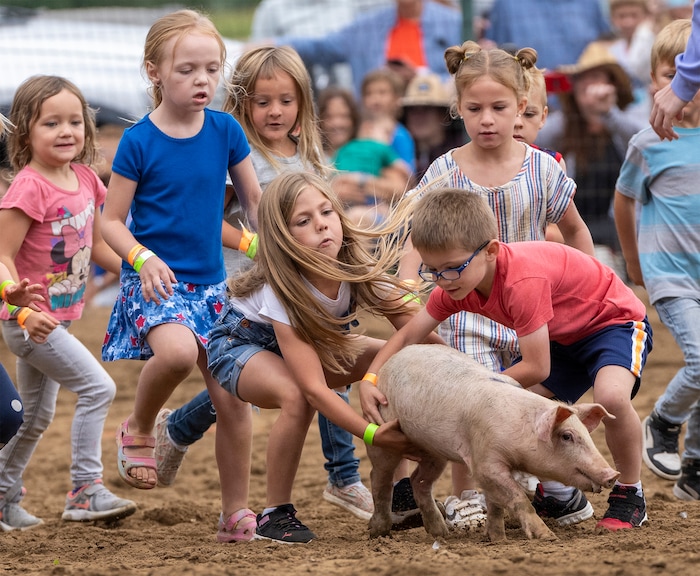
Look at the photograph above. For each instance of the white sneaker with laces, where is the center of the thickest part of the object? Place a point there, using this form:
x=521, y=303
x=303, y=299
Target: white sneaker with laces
x=355, y=498
x=468, y=512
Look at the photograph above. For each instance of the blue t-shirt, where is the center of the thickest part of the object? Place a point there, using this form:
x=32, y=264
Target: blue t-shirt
x=178, y=206
x=663, y=177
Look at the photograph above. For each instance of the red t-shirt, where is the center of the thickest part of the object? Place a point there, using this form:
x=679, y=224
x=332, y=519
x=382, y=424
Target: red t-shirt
x=539, y=283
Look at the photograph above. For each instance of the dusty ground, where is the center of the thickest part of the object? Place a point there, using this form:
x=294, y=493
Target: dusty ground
x=173, y=531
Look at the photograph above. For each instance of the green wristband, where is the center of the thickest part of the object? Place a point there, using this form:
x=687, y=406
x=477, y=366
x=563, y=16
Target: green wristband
x=253, y=248
x=12, y=309
x=145, y=255
x=370, y=431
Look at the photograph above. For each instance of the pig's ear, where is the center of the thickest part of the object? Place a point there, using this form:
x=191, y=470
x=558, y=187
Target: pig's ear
x=549, y=420
x=591, y=415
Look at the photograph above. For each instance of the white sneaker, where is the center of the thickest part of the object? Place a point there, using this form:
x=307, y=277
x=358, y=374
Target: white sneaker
x=527, y=481
x=356, y=499
x=94, y=501
x=168, y=455
x=468, y=512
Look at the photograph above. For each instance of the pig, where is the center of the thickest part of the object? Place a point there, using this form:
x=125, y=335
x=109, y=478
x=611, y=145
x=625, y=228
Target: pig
x=454, y=409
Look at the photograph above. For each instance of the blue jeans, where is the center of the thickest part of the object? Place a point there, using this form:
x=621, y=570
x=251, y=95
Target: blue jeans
x=188, y=424
x=11, y=410
x=680, y=400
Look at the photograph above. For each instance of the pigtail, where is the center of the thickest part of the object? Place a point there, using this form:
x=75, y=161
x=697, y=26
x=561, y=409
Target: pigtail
x=455, y=56
x=527, y=58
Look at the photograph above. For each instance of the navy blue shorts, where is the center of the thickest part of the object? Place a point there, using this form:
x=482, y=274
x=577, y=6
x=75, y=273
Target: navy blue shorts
x=574, y=367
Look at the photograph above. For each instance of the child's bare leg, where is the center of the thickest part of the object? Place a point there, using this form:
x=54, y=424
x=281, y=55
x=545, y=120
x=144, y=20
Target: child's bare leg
x=234, y=437
x=175, y=351
x=613, y=387
x=266, y=382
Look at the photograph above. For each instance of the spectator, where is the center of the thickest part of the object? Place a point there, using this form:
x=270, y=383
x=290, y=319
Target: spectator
x=339, y=117
x=311, y=18
x=558, y=29
x=426, y=114
x=382, y=90
x=634, y=31
x=393, y=34
x=591, y=131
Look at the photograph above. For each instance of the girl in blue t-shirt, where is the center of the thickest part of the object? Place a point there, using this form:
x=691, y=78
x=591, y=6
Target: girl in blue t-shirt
x=170, y=173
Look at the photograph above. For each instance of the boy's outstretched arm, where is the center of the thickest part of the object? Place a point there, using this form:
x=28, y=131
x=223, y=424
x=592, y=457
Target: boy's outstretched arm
x=535, y=365
x=414, y=331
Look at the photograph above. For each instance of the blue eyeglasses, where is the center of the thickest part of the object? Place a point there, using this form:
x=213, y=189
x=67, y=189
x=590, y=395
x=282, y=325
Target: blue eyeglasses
x=449, y=274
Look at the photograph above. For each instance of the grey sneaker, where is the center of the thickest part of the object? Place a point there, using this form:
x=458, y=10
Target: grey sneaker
x=660, y=452
x=356, y=499
x=12, y=515
x=688, y=485
x=94, y=502
x=168, y=456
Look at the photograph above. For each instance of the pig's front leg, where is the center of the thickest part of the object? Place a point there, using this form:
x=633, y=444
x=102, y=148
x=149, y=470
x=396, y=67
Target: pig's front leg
x=384, y=462
x=426, y=473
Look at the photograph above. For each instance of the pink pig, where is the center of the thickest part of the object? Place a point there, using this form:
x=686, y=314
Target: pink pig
x=453, y=408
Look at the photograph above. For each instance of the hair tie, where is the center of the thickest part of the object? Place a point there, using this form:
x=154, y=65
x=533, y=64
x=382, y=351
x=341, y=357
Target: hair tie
x=466, y=57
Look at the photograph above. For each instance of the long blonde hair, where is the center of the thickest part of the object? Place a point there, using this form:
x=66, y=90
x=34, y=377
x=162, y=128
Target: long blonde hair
x=263, y=63
x=176, y=25
x=282, y=262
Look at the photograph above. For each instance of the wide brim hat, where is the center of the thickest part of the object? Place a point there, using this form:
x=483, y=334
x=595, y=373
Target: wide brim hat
x=597, y=56
x=426, y=90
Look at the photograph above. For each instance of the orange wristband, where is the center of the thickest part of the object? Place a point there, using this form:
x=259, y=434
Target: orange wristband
x=370, y=377
x=246, y=239
x=133, y=253
x=22, y=316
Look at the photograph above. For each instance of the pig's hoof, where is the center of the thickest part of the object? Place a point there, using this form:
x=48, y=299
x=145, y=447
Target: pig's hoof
x=378, y=528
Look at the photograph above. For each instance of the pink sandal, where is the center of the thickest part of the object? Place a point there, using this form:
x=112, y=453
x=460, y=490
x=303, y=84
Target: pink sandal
x=126, y=463
x=239, y=527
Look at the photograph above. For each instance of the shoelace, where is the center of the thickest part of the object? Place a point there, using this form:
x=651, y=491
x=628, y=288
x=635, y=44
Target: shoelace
x=669, y=436
x=289, y=522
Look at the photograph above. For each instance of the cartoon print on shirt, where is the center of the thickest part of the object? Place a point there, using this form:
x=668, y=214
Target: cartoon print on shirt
x=70, y=253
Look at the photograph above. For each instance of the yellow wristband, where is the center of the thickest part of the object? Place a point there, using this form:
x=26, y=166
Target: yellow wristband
x=370, y=377
x=22, y=316
x=370, y=431
x=133, y=253
x=145, y=255
x=3, y=287
x=253, y=248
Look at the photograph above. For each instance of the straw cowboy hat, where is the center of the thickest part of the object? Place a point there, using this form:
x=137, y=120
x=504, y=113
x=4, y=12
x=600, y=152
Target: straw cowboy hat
x=426, y=90
x=596, y=56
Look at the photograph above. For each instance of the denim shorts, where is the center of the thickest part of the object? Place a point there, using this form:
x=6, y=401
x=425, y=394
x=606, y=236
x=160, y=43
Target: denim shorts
x=575, y=366
x=232, y=342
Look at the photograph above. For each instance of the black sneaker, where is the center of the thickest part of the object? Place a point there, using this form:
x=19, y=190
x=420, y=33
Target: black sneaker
x=404, y=508
x=626, y=509
x=688, y=485
x=660, y=452
x=281, y=525
x=575, y=510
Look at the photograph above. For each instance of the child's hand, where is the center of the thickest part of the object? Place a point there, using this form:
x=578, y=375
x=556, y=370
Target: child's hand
x=157, y=280
x=24, y=294
x=39, y=325
x=370, y=400
x=390, y=436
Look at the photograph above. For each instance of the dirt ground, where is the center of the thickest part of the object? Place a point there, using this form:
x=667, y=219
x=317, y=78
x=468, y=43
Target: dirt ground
x=173, y=532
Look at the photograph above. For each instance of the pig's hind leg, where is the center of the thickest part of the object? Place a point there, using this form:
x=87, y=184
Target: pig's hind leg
x=384, y=462
x=424, y=476
x=502, y=492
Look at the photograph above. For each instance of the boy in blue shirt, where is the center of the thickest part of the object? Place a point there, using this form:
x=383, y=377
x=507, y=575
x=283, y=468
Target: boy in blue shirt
x=657, y=203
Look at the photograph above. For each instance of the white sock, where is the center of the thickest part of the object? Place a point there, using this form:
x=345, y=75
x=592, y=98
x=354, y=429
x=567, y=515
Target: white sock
x=558, y=490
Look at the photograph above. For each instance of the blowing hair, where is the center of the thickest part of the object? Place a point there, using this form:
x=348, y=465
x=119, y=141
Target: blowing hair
x=451, y=218
x=469, y=63
x=25, y=111
x=264, y=63
x=176, y=25
x=282, y=262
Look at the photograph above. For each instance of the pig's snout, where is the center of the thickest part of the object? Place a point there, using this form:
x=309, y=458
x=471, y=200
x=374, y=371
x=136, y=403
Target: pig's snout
x=607, y=480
